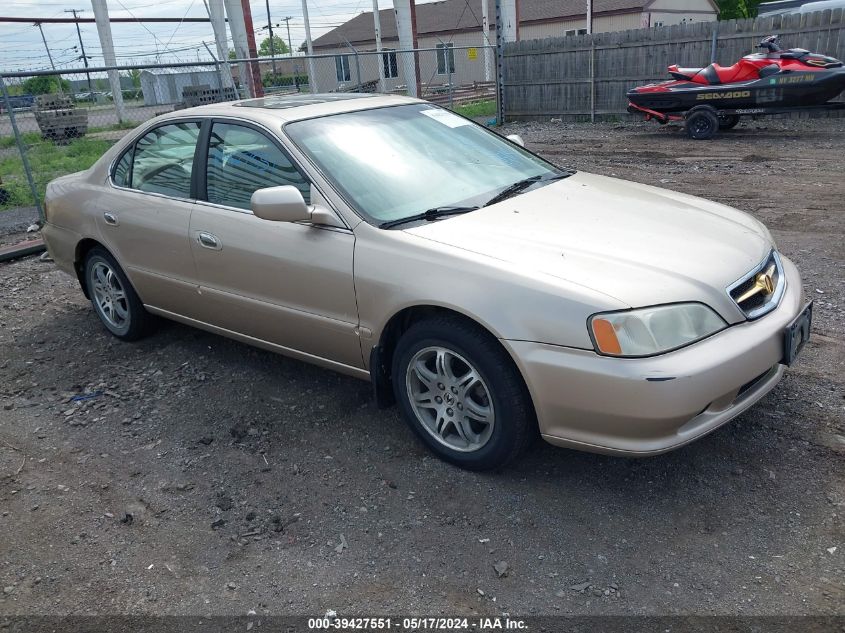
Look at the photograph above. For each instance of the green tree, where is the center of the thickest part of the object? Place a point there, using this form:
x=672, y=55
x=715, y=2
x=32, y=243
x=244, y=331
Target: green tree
x=279, y=46
x=737, y=9
x=135, y=76
x=45, y=84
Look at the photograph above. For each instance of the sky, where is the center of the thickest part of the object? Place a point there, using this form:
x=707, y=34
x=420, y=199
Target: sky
x=21, y=47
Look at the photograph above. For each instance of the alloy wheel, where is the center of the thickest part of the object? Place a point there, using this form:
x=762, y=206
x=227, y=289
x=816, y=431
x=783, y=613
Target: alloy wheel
x=701, y=126
x=109, y=296
x=450, y=398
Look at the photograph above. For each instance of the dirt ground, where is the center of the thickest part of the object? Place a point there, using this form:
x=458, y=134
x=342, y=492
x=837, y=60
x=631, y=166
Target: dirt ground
x=189, y=474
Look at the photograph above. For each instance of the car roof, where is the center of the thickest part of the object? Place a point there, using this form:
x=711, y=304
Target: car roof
x=286, y=108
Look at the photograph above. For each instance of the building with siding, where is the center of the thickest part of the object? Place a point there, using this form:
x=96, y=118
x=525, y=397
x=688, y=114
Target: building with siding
x=457, y=23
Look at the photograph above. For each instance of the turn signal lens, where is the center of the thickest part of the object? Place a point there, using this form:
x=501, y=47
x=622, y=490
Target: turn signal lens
x=605, y=337
x=655, y=330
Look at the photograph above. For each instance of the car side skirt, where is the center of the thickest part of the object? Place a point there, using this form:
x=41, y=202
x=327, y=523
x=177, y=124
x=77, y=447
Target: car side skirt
x=348, y=370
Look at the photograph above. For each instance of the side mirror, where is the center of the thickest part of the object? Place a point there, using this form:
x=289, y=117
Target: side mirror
x=280, y=204
x=516, y=138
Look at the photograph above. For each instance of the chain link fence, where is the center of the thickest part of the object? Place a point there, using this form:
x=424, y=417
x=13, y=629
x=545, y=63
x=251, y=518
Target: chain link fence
x=57, y=122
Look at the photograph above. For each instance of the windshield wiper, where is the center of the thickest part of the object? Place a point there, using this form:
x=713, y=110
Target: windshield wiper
x=441, y=212
x=429, y=216
x=523, y=184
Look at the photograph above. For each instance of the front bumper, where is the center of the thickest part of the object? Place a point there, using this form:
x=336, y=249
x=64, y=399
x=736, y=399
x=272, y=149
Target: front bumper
x=648, y=406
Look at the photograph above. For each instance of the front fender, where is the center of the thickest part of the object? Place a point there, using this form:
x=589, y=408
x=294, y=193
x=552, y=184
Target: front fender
x=395, y=270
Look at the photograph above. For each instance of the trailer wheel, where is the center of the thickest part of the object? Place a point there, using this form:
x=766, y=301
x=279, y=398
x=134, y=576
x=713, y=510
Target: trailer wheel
x=702, y=124
x=728, y=121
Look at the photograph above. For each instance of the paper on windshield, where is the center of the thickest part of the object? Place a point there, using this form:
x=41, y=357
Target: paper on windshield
x=445, y=117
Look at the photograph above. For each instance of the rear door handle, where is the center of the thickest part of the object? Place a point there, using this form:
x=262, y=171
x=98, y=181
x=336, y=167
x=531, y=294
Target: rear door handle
x=110, y=218
x=208, y=240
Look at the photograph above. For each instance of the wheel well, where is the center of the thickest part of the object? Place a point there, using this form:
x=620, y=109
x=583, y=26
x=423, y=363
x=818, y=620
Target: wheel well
x=381, y=358
x=82, y=250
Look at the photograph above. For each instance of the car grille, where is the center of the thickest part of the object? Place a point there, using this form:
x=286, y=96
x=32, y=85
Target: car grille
x=760, y=290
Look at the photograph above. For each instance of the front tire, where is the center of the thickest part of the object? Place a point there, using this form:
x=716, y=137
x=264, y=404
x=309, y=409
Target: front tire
x=114, y=299
x=461, y=393
x=702, y=125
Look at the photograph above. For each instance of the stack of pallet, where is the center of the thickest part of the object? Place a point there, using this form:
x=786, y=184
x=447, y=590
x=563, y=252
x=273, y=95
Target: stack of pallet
x=58, y=117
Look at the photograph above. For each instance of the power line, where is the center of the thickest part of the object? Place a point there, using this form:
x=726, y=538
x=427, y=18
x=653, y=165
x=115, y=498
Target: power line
x=156, y=41
x=81, y=46
x=180, y=24
x=181, y=40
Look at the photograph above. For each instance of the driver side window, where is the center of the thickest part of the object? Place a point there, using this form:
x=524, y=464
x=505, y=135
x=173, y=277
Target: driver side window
x=242, y=160
x=163, y=159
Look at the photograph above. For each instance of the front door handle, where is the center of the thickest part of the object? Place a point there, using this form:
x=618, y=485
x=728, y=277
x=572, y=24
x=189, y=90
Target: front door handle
x=209, y=241
x=110, y=218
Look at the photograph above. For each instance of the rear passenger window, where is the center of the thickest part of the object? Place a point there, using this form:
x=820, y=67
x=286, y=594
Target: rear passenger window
x=121, y=169
x=164, y=158
x=241, y=160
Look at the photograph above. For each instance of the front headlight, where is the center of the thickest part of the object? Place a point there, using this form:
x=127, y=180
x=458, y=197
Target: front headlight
x=655, y=330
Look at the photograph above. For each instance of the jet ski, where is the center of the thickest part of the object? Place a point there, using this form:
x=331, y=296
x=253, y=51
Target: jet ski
x=774, y=78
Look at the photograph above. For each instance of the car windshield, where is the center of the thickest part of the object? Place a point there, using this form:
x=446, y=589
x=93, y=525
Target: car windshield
x=397, y=162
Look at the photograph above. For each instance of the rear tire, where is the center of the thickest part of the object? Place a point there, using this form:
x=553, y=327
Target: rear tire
x=460, y=392
x=728, y=121
x=702, y=125
x=114, y=299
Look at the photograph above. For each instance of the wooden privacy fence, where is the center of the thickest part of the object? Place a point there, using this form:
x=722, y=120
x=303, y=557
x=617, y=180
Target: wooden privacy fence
x=588, y=75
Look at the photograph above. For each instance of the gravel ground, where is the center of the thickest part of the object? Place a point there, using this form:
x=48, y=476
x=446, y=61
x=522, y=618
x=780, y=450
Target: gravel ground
x=14, y=223
x=190, y=474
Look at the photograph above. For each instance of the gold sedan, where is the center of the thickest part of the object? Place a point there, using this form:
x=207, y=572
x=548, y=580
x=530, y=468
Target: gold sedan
x=490, y=294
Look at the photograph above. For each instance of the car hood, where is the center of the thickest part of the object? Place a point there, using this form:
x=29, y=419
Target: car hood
x=638, y=244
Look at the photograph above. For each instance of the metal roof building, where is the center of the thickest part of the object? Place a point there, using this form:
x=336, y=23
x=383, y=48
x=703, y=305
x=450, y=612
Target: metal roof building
x=165, y=85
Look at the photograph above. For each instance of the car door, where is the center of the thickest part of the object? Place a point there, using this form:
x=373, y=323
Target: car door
x=144, y=215
x=286, y=283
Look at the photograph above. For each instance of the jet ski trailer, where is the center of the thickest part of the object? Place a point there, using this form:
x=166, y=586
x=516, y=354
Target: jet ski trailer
x=713, y=98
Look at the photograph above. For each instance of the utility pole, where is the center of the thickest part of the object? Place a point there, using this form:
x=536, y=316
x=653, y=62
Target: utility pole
x=312, y=72
x=272, y=44
x=510, y=20
x=592, y=61
x=236, y=26
x=485, y=39
x=406, y=27
x=290, y=54
x=217, y=16
x=47, y=48
x=500, y=65
x=290, y=44
x=101, y=14
x=82, y=47
x=380, y=57
x=258, y=87
x=234, y=10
